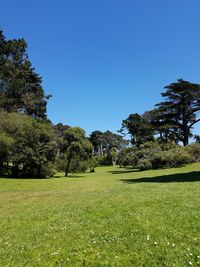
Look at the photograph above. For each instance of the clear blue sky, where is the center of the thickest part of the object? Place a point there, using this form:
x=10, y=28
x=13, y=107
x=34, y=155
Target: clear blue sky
x=104, y=59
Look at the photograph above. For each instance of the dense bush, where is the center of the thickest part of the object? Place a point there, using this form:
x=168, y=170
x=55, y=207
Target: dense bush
x=144, y=164
x=27, y=143
x=154, y=155
x=194, y=151
x=127, y=157
x=76, y=165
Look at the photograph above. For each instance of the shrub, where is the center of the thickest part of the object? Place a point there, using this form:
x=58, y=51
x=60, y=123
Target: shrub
x=144, y=164
x=194, y=151
x=29, y=143
x=127, y=157
x=158, y=155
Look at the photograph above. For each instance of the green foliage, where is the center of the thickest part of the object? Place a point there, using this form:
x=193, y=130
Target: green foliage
x=78, y=148
x=144, y=164
x=139, y=128
x=197, y=138
x=180, y=109
x=20, y=86
x=106, y=146
x=31, y=147
x=6, y=143
x=127, y=157
x=92, y=164
x=194, y=151
x=158, y=155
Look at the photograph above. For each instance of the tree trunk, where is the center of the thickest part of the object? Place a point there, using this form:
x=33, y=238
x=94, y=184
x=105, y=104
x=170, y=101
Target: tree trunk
x=15, y=170
x=185, y=139
x=114, y=161
x=185, y=134
x=68, y=165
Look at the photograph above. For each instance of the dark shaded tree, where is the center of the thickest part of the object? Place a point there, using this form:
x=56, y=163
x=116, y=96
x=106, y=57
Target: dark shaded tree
x=20, y=86
x=97, y=140
x=180, y=110
x=197, y=139
x=139, y=128
x=164, y=131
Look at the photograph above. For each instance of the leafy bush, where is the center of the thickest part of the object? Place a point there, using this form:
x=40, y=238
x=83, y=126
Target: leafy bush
x=27, y=145
x=127, y=157
x=194, y=151
x=144, y=164
x=158, y=155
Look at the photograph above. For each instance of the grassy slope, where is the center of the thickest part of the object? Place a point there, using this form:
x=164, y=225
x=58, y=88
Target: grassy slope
x=113, y=217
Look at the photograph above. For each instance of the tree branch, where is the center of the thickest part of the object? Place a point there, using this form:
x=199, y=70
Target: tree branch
x=193, y=123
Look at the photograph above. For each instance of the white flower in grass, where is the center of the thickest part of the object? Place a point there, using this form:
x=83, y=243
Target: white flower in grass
x=190, y=263
x=190, y=254
x=155, y=243
x=148, y=237
x=54, y=253
x=198, y=257
x=173, y=245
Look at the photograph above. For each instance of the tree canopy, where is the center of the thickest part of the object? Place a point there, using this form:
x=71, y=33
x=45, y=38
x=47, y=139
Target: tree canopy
x=20, y=86
x=180, y=108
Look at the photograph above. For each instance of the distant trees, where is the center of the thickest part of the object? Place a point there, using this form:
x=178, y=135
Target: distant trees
x=173, y=119
x=107, y=144
x=20, y=86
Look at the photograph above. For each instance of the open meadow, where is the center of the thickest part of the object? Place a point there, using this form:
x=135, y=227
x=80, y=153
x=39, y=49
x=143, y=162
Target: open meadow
x=113, y=217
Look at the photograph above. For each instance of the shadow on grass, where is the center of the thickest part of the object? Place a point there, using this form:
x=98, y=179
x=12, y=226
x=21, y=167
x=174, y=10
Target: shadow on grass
x=40, y=178
x=124, y=170
x=75, y=176
x=171, y=178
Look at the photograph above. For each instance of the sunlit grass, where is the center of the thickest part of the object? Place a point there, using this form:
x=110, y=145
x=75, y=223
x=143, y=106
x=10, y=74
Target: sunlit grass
x=112, y=217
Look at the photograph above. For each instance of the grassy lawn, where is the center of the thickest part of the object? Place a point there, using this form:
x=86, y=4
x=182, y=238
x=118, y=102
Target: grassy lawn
x=114, y=217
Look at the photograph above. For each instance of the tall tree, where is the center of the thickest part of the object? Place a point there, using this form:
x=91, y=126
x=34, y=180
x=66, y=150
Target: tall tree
x=180, y=108
x=20, y=86
x=78, y=146
x=158, y=121
x=108, y=144
x=97, y=140
x=138, y=127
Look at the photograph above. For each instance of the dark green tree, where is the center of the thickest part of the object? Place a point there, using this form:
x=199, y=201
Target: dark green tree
x=197, y=139
x=139, y=128
x=20, y=86
x=77, y=146
x=179, y=111
x=97, y=140
x=164, y=131
x=28, y=146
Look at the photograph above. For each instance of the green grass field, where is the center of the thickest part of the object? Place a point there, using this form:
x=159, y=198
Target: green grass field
x=114, y=217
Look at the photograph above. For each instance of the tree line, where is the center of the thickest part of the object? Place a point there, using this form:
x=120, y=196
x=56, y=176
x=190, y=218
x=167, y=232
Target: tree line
x=32, y=146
